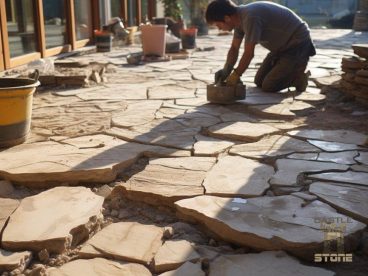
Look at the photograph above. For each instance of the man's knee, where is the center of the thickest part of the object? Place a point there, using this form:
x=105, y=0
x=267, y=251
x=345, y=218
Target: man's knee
x=268, y=86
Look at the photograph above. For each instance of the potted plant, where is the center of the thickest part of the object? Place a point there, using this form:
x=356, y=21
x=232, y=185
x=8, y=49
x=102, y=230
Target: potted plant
x=198, y=9
x=173, y=16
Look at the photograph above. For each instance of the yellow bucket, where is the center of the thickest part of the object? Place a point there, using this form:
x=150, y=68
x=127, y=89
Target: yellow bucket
x=16, y=97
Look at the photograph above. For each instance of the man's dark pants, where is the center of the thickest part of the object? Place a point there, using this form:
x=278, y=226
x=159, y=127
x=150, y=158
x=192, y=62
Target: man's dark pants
x=280, y=70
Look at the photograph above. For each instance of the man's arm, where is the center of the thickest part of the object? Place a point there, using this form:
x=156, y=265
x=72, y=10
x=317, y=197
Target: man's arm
x=232, y=55
x=246, y=58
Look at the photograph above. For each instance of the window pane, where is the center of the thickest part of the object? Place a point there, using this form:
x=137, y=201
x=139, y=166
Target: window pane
x=55, y=23
x=83, y=19
x=21, y=30
x=132, y=13
x=115, y=8
x=144, y=10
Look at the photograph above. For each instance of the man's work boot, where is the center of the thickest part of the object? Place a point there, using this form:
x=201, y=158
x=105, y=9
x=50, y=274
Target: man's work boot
x=301, y=82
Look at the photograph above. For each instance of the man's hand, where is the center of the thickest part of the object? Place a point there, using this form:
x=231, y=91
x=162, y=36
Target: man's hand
x=233, y=79
x=221, y=75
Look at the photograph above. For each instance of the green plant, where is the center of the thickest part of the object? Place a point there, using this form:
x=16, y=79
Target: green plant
x=172, y=9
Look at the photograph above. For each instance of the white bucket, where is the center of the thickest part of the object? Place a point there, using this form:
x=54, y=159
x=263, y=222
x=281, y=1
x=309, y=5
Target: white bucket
x=153, y=39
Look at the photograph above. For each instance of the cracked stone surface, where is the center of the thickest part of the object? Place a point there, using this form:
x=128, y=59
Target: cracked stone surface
x=360, y=178
x=346, y=157
x=286, y=110
x=288, y=170
x=266, y=223
x=333, y=146
x=208, y=146
x=57, y=226
x=126, y=241
x=166, y=133
x=103, y=136
x=7, y=207
x=136, y=114
x=238, y=176
x=242, y=131
x=274, y=145
x=166, y=180
x=362, y=158
x=275, y=263
x=350, y=200
x=170, y=92
x=95, y=158
x=10, y=261
x=99, y=267
x=186, y=269
x=339, y=136
x=172, y=254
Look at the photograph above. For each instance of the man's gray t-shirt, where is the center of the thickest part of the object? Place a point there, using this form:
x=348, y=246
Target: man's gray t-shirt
x=273, y=26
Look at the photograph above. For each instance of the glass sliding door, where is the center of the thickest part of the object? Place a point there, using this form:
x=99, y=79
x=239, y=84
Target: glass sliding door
x=115, y=8
x=144, y=5
x=54, y=14
x=21, y=27
x=83, y=19
x=132, y=12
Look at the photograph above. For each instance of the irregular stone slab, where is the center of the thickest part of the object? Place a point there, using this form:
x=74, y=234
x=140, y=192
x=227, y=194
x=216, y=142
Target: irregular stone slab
x=319, y=73
x=166, y=180
x=304, y=156
x=333, y=146
x=63, y=215
x=192, y=101
x=10, y=261
x=99, y=267
x=340, y=136
x=275, y=263
x=87, y=159
x=169, y=113
x=208, y=146
x=173, y=254
x=311, y=97
x=362, y=158
x=126, y=241
x=242, y=131
x=274, y=145
x=120, y=92
x=6, y=190
x=267, y=223
x=288, y=170
x=167, y=133
x=349, y=177
x=186, y=269
x=170, y=92
x=284, y=110
x=57, y=121
x=197, y=119
x=136, y=114
x=327, y=81
x=350, y=200
x=7, y=207
x=359, y=168
x=346, y=157
x=237, y=176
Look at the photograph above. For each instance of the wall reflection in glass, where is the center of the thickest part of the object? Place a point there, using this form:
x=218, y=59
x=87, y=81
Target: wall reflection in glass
x=21, y=27
x=83, y=19
x=55, y=23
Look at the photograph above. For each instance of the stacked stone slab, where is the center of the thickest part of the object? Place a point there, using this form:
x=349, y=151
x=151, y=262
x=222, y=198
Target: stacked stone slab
x=361, y=17
x=355, y=77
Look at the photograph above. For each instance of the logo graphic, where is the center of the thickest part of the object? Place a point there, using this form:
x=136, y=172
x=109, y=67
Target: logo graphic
x=333, y=245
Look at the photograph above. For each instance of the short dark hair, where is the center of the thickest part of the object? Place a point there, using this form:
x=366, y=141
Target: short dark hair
x=218, y=9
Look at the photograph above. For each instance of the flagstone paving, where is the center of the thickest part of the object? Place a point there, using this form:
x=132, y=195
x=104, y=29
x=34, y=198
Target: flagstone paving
x=349, y=199
x=156, y=153
x=266, y=223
